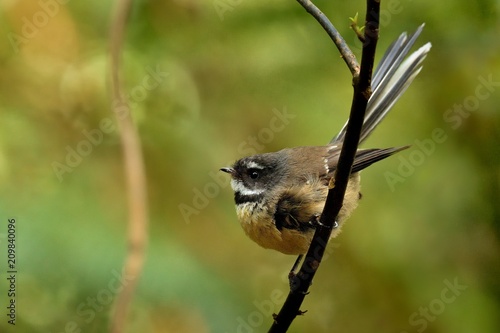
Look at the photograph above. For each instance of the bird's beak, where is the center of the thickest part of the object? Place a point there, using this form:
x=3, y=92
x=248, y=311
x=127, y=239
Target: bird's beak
x=228, y=170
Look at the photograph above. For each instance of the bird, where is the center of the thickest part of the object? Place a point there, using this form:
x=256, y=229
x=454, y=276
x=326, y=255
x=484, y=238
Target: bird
x=280, y=195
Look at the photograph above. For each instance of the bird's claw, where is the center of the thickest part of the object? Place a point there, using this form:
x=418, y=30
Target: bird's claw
x=315, y=222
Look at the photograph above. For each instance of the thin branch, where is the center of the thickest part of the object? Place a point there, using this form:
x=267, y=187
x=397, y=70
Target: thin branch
x=137, y=237
x=362, y=91
x=345, y=51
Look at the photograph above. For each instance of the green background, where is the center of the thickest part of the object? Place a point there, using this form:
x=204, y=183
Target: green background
x=229, y=64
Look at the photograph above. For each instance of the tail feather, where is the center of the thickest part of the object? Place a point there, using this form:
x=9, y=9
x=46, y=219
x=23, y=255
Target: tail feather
x=391, y=79
x=366, y=157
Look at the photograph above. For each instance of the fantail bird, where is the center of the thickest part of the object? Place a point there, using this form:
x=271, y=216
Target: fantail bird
x=279, y=196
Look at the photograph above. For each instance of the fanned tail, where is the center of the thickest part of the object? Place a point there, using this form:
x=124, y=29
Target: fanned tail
x=391, y=78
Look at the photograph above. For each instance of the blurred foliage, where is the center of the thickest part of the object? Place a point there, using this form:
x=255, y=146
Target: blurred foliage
x=226, y=65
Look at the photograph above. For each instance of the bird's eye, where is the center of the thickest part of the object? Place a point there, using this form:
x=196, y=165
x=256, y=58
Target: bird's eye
x=254, y=174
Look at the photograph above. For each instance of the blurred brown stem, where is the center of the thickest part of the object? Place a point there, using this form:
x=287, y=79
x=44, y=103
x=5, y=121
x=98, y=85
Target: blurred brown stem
x=137, y=237
x=362, y=91
x=338, y=40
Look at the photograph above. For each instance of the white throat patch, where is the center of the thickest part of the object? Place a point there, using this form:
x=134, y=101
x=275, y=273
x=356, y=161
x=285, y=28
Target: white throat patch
x=239, y=187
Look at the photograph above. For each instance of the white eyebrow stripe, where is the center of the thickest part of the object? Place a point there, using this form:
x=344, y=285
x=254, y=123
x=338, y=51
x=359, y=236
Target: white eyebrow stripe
x=240, y=188
x=254, y=165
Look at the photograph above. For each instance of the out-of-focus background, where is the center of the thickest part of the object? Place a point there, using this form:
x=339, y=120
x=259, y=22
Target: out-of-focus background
x=209, y=82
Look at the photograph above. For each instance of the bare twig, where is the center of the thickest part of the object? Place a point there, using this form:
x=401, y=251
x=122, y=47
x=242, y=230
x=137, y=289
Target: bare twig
x=345, y=51
x=362, y=90
x=134, y=172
